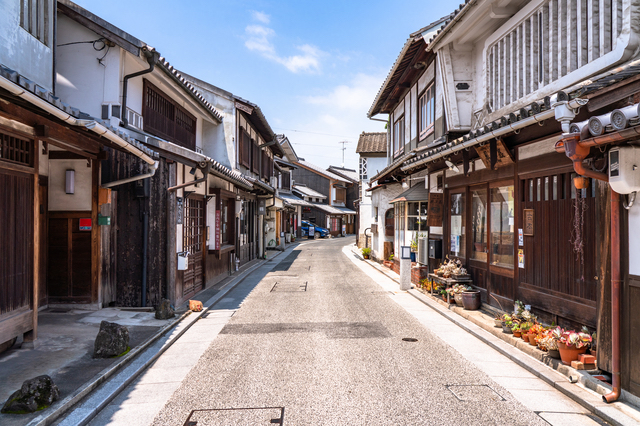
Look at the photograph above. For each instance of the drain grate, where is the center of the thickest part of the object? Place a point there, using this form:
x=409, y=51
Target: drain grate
x=281, y=287
x=236, y=416
x=475, y=393
x=409, y=339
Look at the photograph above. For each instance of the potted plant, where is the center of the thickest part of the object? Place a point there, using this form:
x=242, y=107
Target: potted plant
x=458, y=289
x=524, y=329
x=471, y=299
x=497, y=320
x=366, y=252
x=516, y=330
x=571, y=344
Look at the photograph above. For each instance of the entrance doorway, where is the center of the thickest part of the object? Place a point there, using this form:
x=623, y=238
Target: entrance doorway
x=193, y=242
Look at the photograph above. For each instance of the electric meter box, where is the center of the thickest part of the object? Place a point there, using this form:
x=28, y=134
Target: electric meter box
x=624, y=169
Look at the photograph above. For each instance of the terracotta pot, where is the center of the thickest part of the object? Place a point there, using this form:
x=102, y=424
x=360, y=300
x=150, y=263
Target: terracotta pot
x=532, y=339
x=471, y=300
x=517, y=334
x=553, y=353
x=569, y=353
x=525, y=337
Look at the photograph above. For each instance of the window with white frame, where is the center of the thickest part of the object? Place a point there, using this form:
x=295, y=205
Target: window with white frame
x=398, y=136
x=427, y=110
x=35, y=19
x=363, y=168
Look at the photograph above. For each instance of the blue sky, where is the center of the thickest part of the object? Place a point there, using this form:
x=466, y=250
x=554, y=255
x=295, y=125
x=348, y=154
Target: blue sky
x=314, y=68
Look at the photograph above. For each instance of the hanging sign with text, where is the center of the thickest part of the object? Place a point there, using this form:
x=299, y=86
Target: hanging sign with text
x=217, y=230
x=436, y=209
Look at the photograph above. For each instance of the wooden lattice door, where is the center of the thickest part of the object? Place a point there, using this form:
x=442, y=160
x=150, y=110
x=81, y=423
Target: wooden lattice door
x=193, y=242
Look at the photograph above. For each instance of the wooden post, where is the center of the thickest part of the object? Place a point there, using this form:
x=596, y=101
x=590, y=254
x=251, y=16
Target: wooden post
x=30, y=337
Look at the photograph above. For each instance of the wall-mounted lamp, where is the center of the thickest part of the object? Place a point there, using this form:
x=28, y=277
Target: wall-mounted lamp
x=405, y=252
x=70, y=181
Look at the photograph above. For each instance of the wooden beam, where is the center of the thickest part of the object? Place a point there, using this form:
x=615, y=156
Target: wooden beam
x=66, y=155
x=78, y=137
x=465, y=160
x=493, y=152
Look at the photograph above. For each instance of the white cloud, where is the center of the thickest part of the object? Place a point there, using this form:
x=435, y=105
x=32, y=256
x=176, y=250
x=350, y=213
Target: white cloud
x=261, y=17
x=357, y=96
x=259, y=40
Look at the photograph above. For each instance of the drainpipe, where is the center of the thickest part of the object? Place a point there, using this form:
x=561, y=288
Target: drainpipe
x=616, y=283
x=577, y=151
x=133, y=178
x=206, y=170
x=152, y=58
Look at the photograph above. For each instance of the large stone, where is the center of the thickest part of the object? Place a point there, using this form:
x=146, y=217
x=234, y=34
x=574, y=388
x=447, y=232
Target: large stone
x=112, y=340
x=165, y=310
x=35, y=394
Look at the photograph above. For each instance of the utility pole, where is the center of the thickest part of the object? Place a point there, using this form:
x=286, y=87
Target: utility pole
x=344, y=147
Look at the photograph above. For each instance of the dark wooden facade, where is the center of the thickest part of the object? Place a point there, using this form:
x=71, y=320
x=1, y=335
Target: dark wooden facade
x=131, y=202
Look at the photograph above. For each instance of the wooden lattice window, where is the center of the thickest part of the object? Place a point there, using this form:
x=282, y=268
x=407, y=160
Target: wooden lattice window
x=193, y=225
x=166, y=119
x=267, y=166
x=244, y=149
x=255, y=158
x=16, y=150
x=286, y=180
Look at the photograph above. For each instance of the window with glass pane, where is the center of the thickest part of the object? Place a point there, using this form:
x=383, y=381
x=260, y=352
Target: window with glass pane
x=398, y=136
x=502, y=226
x=427, y=110
x=417, y=216
x=457, y=225
x=479, y=231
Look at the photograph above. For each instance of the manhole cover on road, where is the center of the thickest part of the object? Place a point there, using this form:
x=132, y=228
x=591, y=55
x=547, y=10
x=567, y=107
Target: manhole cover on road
x=289, y=287
x=474, y=393
x=236, y=416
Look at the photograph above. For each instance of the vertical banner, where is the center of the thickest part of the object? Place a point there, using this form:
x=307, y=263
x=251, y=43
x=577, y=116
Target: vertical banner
x=217, y=229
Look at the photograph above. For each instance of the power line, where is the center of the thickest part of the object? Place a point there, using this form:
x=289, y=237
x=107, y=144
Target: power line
x=314, y=133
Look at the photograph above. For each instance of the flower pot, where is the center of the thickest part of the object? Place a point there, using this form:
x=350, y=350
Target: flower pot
x=525, y=337
x=497, y=323
x=506, y=329
x=569, y=353
x=532, y=339
x=517, y=334
x=458, y=299
x=471, y=300
x=554, y=353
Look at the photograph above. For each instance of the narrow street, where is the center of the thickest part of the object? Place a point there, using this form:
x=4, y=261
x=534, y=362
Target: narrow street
x=314, y=340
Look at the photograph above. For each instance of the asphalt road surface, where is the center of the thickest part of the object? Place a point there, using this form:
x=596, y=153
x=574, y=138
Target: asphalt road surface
x=317, y=342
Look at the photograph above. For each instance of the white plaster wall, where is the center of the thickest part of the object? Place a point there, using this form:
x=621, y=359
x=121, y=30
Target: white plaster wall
x=80, y=200
x=80, y=79
x=414, y=111
x=21, y=51
x=380, y=199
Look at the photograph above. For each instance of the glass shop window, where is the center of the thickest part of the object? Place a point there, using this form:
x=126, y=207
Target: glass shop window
x=457, y=225
x=479, y=231
x=502, y=226
x=417, y=216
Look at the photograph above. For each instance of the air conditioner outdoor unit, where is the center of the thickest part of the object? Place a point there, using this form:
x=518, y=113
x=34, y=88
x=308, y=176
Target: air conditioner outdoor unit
x=423, y=251
x=624, y=169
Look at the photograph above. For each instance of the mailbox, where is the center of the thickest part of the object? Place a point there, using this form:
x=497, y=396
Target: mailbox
x=435, y=249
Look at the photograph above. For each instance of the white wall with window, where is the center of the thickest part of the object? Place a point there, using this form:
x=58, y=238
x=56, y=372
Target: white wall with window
x=26, y=39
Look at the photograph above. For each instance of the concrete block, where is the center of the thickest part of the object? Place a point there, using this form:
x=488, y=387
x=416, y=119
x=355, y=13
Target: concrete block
x=577, y=365
x=587, y=359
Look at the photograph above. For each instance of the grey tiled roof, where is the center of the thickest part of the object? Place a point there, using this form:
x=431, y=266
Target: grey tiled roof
x=320, y=170
x=308, y=192
x=350, y=174
x=373, y=142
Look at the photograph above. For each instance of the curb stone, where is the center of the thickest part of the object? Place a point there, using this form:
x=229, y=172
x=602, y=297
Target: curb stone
x=127, y=361
x=561, y=377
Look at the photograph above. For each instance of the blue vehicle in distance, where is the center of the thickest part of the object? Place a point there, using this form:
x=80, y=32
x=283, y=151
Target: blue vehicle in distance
x=318, y=231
